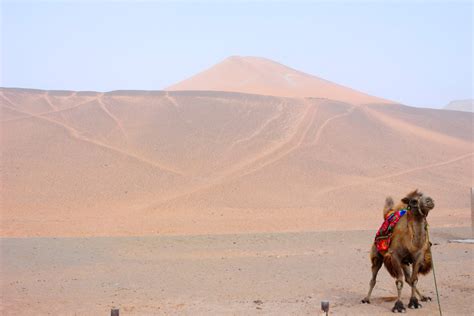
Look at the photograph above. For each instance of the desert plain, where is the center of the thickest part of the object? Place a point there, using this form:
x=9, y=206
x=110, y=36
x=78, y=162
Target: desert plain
x=250, y=188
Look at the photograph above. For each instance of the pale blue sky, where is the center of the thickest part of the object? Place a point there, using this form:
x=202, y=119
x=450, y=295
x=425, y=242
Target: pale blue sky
x=417, y=53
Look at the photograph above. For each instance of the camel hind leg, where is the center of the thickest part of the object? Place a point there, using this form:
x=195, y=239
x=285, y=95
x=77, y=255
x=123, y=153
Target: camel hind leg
x=394, y=266
x=377, y=261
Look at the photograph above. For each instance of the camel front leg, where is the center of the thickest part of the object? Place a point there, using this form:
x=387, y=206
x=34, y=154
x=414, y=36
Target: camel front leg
x=407, y=273
x=413, y=281
x=399, y=307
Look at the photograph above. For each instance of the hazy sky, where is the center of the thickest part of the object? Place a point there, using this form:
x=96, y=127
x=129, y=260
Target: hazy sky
x=416, y=53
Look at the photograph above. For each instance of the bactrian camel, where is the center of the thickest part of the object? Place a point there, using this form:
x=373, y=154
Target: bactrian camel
x=409, y=245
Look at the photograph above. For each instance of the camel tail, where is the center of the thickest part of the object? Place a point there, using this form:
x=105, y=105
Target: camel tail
x=427, y=263
x=388, y=205
x=393, y=267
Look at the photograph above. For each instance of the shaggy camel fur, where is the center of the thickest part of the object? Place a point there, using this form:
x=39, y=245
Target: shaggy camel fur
x=409, y=245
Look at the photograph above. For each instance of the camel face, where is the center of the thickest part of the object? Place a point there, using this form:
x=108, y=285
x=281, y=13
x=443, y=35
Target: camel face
x=423, y=204
x=419, y=202
x=426, y=204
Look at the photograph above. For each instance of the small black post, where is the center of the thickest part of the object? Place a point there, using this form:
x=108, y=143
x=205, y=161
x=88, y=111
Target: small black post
x=114, y=312
x=325, y=307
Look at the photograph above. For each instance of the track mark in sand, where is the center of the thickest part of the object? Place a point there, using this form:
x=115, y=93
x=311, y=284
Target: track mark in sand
x=68, y=128
x=48, y=101
x=117, y=122
x=40, y=115
x=261, y=128
x=172, y=100
x=288, y=147
x=77, y=135
x=297, y=140
x=52, y=106
x=262, y=160
x=397, y=174
x=329, y=120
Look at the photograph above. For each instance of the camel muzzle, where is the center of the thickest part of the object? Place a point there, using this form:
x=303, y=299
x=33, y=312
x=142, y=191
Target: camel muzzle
x=415, y=205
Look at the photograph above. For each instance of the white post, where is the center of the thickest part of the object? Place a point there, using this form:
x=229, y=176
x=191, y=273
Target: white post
x=472, y=211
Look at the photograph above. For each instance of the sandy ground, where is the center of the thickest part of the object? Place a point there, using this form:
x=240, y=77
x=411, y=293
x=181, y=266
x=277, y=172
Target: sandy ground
x=279, y=274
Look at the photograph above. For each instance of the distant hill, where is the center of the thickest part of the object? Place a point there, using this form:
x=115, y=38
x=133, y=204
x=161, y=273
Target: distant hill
x=461, y=105
x=263, y=76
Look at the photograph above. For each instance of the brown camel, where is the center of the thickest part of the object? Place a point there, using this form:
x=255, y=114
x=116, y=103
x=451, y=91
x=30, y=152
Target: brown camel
x=409, y=246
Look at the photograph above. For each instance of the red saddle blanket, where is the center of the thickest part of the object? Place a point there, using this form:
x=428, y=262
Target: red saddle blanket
x=384, y=234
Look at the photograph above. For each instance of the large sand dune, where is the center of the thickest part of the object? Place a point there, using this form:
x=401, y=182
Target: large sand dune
x=248, y=183
x=192, y=162
x=263, y=76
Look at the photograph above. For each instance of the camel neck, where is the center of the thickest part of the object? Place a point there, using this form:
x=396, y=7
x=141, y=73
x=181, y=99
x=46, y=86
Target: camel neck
x=419, y=230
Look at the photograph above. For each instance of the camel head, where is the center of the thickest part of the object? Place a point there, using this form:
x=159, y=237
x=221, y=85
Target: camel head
x=420, y=203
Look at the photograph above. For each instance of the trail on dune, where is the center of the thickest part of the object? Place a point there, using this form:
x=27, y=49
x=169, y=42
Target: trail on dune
x=305, y=128
x=295, y=141
x=31, y=115
x=172, y=100
x=117, y=122
x=77, y=135
x=56, y=109
x=325, y=123
x=278, y=114
x=300, y=142
x=199, y=132
x=286, y=146
x=48, y=101
x=397, y=174
x=177, y=107
x=290, y=146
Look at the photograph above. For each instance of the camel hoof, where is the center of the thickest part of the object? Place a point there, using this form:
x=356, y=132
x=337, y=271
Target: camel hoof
x=425, y=298
x=414, y=303
x=365, y=301
x=398, y=308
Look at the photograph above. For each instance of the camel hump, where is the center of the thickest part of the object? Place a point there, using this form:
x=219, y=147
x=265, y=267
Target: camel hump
x=388, y=206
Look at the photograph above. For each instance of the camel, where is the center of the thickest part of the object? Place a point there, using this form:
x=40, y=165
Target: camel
x=409, y=245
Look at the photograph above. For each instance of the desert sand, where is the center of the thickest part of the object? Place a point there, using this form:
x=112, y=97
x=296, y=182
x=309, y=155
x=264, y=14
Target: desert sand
x=261, y=198
x=243, y=274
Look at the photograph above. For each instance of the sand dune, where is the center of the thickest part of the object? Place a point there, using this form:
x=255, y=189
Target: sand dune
x=263, y=76
x=196, y=162
x=461, y=105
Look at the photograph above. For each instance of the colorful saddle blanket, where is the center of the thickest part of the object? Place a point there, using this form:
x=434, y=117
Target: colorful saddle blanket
x=384, y=234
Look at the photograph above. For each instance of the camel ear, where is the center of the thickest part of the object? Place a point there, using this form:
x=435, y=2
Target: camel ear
x=406, y=200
